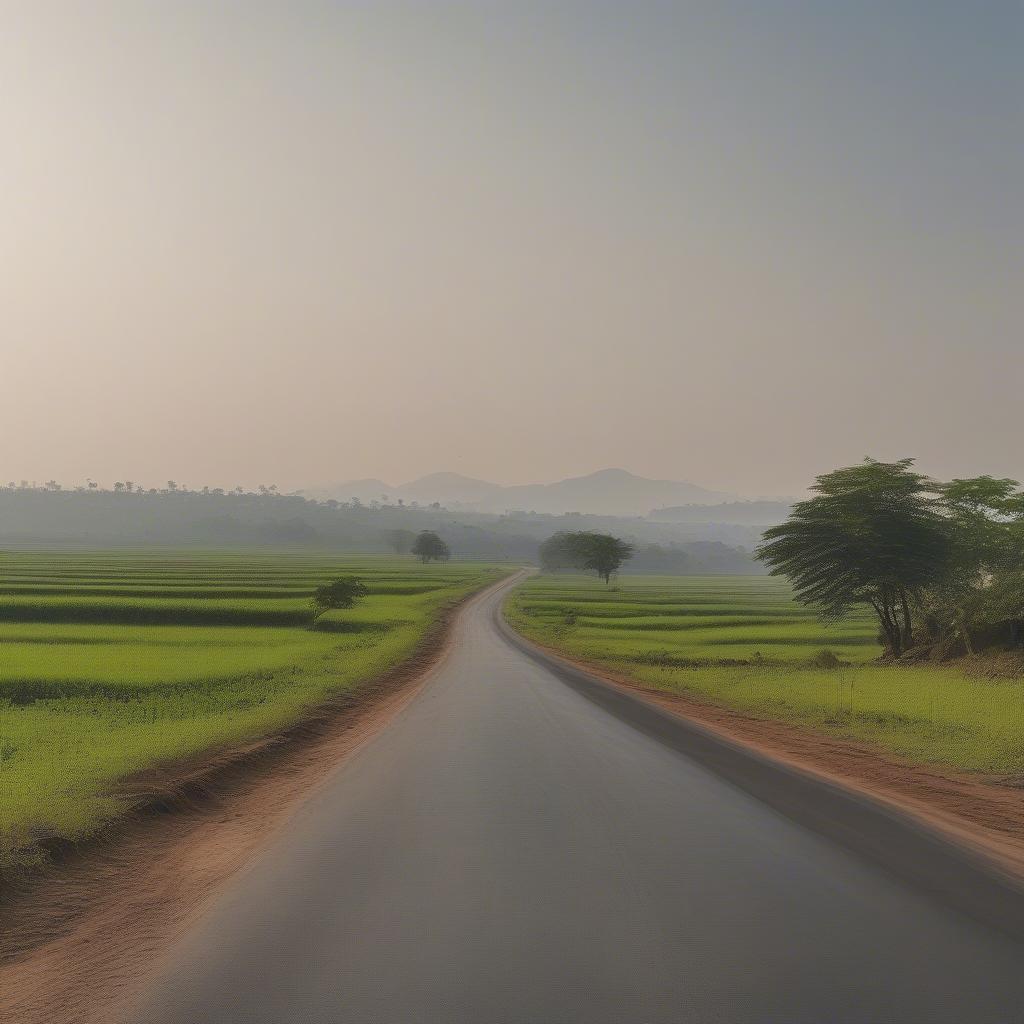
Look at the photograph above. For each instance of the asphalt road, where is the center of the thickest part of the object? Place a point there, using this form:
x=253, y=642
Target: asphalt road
x=507, y=850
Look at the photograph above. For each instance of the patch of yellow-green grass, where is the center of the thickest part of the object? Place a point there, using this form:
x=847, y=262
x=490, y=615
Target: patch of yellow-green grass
x=927, y=714
x=85, y=704
x=742, y=642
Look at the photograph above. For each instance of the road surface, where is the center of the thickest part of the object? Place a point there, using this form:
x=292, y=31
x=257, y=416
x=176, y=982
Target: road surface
x=508, y=851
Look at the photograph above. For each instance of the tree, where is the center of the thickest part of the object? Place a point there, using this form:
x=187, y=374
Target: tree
x=602, y=553
x=400, y=541
x=429, y=547
x=595, y=552
x=341, y=593
x=872, y=534
x=558, y=552
x=981, y=587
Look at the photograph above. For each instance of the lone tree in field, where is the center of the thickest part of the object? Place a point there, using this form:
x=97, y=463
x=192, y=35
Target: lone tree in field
x=400, y=541
x=602, y=553
x=341, y=593
x=428, y=547
x=872, y=534
x=595, y=552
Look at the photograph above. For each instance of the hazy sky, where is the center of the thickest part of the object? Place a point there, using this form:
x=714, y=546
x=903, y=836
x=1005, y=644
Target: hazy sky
x=738, y=244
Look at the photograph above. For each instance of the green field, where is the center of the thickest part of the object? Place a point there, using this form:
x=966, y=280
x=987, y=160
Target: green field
x=743, y=642
x=113, y=663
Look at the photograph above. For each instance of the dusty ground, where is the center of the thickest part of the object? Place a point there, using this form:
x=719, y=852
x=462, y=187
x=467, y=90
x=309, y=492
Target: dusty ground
x=75, y=938
x=983, y=812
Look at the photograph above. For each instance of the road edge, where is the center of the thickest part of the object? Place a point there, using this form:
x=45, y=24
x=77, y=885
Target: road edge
x=916, y=853
x=81, y=935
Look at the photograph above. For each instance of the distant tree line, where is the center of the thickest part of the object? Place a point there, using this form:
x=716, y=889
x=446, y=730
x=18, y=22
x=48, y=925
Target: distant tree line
x=175, y=515
x=940, y=564
x=172, y=487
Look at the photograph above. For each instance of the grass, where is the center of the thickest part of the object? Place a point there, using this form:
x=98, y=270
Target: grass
x=742, y=642
x=111, y=664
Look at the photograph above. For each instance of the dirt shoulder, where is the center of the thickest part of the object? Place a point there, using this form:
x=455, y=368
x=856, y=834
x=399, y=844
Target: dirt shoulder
x=984, y=813
x=76, y=937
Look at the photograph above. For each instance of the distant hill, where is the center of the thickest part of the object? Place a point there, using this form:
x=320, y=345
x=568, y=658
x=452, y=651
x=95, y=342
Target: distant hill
x=448, y=489
x=743, y=513
x=452, y=489
x=365, y=491
x=613, y=492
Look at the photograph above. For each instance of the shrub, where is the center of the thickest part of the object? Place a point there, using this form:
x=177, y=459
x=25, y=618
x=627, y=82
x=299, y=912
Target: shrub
x=825, y=658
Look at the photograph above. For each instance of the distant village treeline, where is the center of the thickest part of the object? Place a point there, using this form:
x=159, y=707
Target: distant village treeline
x=127, y=515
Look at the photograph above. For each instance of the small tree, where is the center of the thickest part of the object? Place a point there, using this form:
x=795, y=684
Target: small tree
x=429, y=547
x=341, y=593
x=400, y=541
x=594, y=552
x=559, y=552
x=602, y=553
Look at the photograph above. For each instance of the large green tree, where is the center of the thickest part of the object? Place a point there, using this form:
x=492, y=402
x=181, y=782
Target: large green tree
x=429, y=547
x=872, y=534
x=593, y=552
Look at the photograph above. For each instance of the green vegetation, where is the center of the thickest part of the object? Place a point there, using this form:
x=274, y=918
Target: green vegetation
x=114, y=663
x=744, y=642
x=41, y=517
x=939, y=564
x=585, y=550
x=337, y=595
x=428, y=547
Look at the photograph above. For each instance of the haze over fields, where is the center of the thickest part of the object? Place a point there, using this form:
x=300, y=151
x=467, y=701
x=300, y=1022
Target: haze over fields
x=614, y=492
x=736, y=243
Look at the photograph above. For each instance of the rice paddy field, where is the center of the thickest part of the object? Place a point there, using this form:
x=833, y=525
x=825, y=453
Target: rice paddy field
x=114, y=663
x=742, y=642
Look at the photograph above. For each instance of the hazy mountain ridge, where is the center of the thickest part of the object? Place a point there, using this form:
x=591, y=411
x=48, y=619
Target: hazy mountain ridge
x=615, y=492
x=745, y=513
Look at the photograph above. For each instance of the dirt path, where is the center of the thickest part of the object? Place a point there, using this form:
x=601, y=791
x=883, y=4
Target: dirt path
x=75, y=939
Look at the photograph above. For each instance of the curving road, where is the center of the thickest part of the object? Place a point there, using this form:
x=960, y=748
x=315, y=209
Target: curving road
x=509, y=851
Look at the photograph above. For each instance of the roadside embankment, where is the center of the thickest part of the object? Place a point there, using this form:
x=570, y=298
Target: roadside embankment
x=934, y=742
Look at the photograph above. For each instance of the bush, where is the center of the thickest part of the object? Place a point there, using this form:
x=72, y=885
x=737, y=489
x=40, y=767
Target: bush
x=826, y=658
